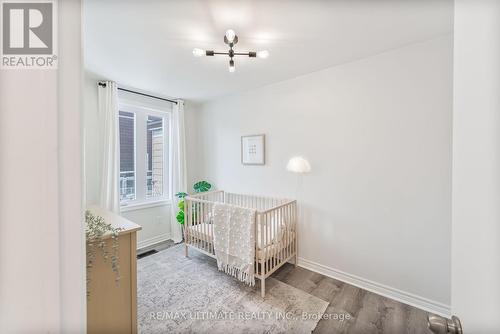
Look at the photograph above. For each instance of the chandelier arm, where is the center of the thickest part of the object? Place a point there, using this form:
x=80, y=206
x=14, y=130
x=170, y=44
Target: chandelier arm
x=249, y=54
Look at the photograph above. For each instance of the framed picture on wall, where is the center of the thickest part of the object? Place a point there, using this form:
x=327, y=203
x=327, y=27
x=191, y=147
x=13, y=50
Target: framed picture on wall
x=253, y=150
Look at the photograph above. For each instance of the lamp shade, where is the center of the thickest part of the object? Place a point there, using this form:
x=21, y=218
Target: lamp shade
x=298, y=165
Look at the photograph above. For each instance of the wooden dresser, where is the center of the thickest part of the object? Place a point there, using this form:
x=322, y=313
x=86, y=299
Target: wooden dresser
x=112, y=308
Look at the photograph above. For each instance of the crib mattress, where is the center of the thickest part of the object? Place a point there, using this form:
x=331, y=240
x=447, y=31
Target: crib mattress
x=204, y=232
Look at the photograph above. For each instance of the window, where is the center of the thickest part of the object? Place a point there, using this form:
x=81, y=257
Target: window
x=155, y=154
x=144, y=154
x=127, y=156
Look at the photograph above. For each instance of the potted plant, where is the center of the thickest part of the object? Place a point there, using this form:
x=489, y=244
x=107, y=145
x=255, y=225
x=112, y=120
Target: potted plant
x=198, y=187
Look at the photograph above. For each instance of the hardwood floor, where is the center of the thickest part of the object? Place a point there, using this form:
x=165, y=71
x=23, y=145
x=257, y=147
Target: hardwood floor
x=368, y=312
x=156, y=247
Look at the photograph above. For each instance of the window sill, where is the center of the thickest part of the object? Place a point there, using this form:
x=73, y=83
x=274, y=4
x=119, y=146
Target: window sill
x=144, y=205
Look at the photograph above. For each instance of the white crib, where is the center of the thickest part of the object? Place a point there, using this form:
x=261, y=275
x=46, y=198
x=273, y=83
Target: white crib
x=275, y=228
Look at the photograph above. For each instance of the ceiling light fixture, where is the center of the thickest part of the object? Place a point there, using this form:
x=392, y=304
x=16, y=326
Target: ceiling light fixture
x=230, y=38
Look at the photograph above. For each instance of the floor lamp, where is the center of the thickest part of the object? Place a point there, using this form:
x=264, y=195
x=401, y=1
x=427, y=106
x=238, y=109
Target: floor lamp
x=299, y=166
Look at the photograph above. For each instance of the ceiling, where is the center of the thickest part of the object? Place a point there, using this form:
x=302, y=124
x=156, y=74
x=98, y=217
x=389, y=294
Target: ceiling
x=148, y=44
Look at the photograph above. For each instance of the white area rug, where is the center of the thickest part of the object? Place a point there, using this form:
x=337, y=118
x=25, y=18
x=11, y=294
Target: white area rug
x=189, y=295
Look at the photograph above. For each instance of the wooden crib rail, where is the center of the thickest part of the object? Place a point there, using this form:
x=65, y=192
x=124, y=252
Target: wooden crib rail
x=214, y=195
x=275, y=228
x=279, y=206
x=259, y=203
x=206, y=193
x=198, y=227
x=278, y=233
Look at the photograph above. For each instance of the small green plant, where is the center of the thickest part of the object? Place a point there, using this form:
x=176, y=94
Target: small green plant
x=201, y=187
x=95, y=229
x=198, y=187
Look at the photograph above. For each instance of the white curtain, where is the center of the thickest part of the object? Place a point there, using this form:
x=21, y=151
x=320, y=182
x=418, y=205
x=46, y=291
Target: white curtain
x=110, y=175
x=178, y=165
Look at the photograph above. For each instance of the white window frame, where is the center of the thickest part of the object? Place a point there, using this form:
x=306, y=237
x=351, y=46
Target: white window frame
x=142, y=112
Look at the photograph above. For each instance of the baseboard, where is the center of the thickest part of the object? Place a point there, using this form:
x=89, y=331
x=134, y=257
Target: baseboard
x=151, y=241
x=386, y=291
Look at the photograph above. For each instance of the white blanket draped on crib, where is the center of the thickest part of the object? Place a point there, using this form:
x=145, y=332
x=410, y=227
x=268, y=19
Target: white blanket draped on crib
x=234, y=241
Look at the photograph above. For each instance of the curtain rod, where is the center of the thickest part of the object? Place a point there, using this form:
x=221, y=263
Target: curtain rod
x=103, y=84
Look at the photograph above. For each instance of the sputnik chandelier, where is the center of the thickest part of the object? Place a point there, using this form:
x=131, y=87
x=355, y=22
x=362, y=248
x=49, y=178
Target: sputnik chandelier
x=231, y=39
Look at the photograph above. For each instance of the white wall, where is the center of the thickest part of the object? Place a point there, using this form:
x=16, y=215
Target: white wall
x=476, y=166
x=155, y=221
x=42, y=263
x=70, y=170
x=378, y=135
x=29, y=275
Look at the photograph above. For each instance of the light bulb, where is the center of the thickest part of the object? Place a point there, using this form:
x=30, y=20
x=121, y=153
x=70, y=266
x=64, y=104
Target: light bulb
x=263, y=54
x=231, y=66
x=198, y=52
x=230, y=34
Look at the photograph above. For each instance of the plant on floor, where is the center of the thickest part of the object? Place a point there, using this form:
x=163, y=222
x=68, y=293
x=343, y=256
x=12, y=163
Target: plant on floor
x=198, y=187
x=95, y=229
